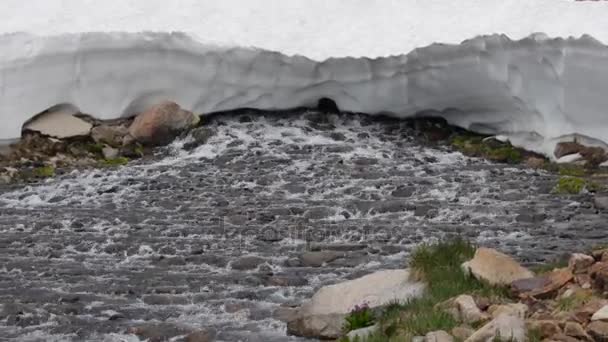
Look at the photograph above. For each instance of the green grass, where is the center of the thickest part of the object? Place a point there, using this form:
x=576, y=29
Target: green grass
x=115, y=161
x=439, y=265
x=94, y=148
x=574, y=301
x=44, y=171
x=570, y=185
x=505, y=154
x=360, y=317
x=475, y=146
x=572, y=170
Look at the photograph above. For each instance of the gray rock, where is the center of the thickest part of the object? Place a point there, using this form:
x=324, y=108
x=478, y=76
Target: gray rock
x=110, y=135
x=109, y=152
x=247, y=263
x=200, y=336
x=200, y=136
x=362, y=333
x=59, y=124
x=601, y=202
x=438, y=336
x=505, y=327
x=317, y=259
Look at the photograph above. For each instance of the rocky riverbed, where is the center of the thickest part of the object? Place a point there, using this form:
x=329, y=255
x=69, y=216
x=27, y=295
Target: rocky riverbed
x=222, y=237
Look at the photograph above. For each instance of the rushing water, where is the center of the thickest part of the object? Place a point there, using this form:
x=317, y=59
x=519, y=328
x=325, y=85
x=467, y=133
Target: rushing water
x=168, y=242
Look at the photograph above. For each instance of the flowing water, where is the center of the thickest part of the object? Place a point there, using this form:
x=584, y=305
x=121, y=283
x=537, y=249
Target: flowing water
x=211, y=237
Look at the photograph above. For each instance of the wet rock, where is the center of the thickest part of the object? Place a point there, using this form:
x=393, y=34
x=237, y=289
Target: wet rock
x=59, y=124
x=285, y=314
x=156, y=332
x=527, y=216
x=338, y=247
x=496, y=268
x=544, y=286
x=110, y=135
x=425, y=211
x=438, y=336
x=403, y=191
x=598, y=330
x=247, y=263
x=200, y=336
x=317, y=259
x=286, y=281
x=327, y=105
x=601, y=202
x=505, y=327
x=160, y=124
x=200, y=136
x=580, y=263
x=337, y=136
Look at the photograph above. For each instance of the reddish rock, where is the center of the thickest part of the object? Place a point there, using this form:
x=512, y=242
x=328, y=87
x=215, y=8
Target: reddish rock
x=599, y=331
x=546, y=328
x=574, y=329
x=161, y=123
x=594, y=155
x=583, y=314
x=580, y=263
x=599, y=275
x=200, y=336
x=544, y=286
x=566, y=148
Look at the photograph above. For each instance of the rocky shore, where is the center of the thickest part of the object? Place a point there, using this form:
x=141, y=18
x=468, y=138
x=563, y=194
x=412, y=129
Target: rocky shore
x=490, y=297
x=56, y=142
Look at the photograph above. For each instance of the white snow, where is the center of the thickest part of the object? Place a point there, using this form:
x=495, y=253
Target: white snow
x=534, y=91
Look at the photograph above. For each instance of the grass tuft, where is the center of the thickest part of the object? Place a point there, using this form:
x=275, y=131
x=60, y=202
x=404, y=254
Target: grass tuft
x=475, y=146
x=115, y=162
x=439, y=265
x=571, y=170
x=44, y=171
x=570, y=185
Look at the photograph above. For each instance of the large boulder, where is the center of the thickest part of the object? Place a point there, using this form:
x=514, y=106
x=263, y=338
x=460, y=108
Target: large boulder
x=59, y=124
x=323, y=316
x=495, y=268
x=567, y=148
x=160, y=124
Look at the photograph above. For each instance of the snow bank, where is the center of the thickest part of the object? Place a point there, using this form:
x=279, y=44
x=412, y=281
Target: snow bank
x=535, y=90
